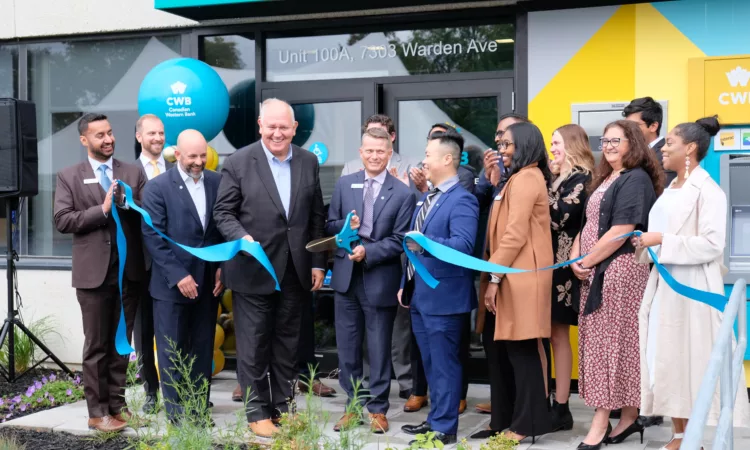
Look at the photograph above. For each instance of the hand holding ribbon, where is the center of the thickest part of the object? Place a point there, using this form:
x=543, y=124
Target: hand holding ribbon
x=214, y=253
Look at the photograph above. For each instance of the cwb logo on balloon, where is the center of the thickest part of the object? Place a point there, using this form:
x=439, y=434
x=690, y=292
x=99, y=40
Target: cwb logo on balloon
x=185, y=94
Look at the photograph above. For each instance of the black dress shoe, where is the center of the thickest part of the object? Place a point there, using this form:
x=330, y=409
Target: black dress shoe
x=422, y=428
x=210, y=404
x=405, y=394
x=485, y=434
x=635, y=427
x=446, y=439
x=584, y=446
x=652, y=421
x=149, y=407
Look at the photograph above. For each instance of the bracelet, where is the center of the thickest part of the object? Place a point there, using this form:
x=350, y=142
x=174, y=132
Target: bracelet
x=494, y=279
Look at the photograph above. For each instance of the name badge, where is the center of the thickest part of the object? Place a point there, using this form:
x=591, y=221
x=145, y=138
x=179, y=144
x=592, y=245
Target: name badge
x=90, y=181
x=419, y=203
x=357, y=185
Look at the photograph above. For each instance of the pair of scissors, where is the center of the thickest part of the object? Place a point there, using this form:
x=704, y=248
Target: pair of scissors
x=346, y=238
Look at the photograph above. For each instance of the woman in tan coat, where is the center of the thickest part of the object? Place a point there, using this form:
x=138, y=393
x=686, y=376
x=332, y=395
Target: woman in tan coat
x=687, y=227
x=519, y=236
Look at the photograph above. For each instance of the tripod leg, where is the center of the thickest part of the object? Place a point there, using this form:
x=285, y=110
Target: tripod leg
x=42, y=346
x=4, y=332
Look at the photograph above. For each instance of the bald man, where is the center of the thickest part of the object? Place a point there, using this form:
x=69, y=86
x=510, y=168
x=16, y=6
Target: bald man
x=185, y=289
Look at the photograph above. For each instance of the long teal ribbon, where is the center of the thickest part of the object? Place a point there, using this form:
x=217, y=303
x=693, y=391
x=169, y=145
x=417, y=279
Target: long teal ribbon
x=214, y=253
x=457, y=258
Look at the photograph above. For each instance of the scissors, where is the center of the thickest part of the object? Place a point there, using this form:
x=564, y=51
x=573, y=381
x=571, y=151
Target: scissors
x=344, y=239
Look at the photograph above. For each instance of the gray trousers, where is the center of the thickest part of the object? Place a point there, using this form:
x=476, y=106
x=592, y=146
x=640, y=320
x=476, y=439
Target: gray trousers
x=400, y=351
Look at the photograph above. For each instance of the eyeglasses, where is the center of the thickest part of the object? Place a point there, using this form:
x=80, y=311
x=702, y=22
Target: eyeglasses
x=604, y=143
x=504, y=144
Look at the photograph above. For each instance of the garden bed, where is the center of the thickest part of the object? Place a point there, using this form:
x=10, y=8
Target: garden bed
x=38, y=390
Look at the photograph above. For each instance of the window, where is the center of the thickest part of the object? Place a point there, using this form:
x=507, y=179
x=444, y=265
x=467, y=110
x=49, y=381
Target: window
x=233, y=58
x=8, y=88
x=66, y=80
x=395, y=53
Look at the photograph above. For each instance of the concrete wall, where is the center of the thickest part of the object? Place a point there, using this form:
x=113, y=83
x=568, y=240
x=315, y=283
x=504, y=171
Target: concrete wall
x=29, y=18
x=48, y=293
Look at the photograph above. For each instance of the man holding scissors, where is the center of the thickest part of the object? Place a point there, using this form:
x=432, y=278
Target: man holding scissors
x=367, y=280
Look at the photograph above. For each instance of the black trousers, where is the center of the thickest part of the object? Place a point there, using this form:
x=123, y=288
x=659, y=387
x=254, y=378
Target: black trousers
x=144, y=340
x=306, y=350
x=420, y=384
x=191, y=328
x=517, y=392
x=268, y=330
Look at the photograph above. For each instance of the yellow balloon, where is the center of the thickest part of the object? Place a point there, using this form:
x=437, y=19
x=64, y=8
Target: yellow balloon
x=212, y=158
x=219, y=338
x=218, y=313
x=226, y=300
x=230, y=343
x=168, y=153
x=218, y=362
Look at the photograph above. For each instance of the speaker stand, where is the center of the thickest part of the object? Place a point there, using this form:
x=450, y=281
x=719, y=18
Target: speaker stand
x=12, y=319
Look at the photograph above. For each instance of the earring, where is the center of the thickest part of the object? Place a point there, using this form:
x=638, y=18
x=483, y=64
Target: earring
x=687, y=167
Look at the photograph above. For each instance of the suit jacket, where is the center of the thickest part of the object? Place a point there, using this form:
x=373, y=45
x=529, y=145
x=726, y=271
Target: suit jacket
x=392, y=213
x=78, y=210
x=519, y=236
x=452, y=221
x=248, y=202
x=669, y=174
x=167, y=165
x=173, y=213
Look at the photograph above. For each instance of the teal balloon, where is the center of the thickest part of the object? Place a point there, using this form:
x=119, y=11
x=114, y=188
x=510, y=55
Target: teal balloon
x=185, y=93
x=304, y=114
x=239, y=128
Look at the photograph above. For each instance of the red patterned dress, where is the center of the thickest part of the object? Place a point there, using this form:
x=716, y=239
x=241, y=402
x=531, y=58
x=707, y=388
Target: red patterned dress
x=609, y=359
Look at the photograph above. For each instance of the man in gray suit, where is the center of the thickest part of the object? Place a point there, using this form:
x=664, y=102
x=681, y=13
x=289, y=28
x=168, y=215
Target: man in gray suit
x=149, y=133
x=401, y=343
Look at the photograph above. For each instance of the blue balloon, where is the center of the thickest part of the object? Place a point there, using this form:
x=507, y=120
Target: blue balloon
x=185, y=94
x=320, y=150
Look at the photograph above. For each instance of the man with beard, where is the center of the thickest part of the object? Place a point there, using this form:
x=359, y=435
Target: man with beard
x=149, y=132
x=83, y=205
x=184, y=287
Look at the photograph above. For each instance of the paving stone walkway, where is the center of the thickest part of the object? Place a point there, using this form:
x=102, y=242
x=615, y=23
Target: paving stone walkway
x=73, y=418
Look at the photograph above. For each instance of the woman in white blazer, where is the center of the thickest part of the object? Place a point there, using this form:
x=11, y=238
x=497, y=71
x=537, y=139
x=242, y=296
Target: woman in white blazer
x=687, y=228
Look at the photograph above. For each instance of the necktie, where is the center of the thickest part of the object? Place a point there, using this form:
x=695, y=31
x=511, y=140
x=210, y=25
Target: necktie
x=419, y=222
x=104, y=179
x=365, y=228
x=156, y=168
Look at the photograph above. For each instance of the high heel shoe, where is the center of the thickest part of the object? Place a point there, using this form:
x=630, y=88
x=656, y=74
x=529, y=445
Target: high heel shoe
x=584, y=446
x=674, y=436
x=635, y=427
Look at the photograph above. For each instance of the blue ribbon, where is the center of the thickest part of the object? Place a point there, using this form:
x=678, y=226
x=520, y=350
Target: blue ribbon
x=457, y=258
x=215, y=253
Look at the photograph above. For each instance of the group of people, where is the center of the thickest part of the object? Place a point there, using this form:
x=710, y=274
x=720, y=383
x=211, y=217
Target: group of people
x=641, y=345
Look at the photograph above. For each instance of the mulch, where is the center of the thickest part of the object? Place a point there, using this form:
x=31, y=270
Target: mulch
x=19, y=385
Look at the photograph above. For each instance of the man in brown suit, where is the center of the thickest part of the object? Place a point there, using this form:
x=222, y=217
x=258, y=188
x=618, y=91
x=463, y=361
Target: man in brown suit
x=83, y=206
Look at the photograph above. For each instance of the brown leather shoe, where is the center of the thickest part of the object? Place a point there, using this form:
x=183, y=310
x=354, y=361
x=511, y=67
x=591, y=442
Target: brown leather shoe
x=484, y=408
x=237, y=394
x=123, y=416
x=318, y=388
x=462, y=407
x=106, y=424
x=276, y=421
x=263, y=428
x=347, y=421
x=415, y=403
x=378, y=423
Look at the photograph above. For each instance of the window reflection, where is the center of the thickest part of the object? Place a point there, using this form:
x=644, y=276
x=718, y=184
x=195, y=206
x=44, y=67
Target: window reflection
x=8, y=89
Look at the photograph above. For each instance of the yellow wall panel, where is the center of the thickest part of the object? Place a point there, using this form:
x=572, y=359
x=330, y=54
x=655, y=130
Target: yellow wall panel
x=602, y=70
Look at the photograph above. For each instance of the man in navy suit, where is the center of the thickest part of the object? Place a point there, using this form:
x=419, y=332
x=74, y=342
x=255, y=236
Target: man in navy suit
x=448, y=215
x=367, y=282
x=184, y=288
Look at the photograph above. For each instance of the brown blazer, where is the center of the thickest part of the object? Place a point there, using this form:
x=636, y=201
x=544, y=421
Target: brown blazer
x=78, y=210
x=519, y=236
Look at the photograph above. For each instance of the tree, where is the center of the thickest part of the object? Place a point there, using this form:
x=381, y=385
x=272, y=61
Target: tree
x=219, y=52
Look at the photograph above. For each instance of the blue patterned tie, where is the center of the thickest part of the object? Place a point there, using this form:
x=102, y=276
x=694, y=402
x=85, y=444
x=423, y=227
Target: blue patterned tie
x=418, y=224
x=366, y=227
x=104, y=179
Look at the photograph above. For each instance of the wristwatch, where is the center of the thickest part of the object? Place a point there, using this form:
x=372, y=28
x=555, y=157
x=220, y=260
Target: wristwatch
x=494, y=279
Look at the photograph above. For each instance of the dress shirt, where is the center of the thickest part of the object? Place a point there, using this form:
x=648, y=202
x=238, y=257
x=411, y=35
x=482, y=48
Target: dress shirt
x=197, y=192
x=654, y=142
x=282, y=175
x=377, y=183
x=442, y=188
x=149, y=168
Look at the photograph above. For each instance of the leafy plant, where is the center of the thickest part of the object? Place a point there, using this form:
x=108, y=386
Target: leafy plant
x=25, y=351
x=426, y=440
x=10, y=444
x=499, y=442
x=50, y=391
x=134, y=366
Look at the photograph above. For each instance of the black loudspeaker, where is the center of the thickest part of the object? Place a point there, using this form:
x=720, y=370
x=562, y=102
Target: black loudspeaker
x=19, y=162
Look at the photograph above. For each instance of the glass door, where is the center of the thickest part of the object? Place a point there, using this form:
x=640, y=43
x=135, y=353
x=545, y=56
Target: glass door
x=472, y=106
x=330, y=117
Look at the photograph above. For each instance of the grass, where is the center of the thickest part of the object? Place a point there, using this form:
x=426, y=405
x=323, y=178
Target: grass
x=24, y=348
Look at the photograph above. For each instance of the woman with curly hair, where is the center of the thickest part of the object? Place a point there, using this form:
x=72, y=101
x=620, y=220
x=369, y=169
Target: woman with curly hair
x=624, y=188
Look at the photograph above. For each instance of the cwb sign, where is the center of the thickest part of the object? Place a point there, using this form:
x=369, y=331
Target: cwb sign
x=185, y=94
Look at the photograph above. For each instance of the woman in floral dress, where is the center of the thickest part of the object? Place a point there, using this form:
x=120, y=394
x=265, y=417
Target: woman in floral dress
x=625, y=186
x=572, y=167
